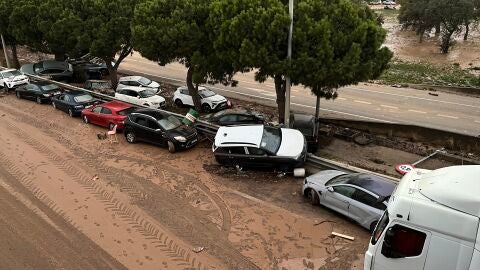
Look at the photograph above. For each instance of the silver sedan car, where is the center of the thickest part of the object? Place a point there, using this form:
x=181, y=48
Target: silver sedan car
x=361, y=197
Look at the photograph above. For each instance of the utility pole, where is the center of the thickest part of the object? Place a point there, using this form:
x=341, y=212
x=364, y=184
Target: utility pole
x=5, y=51
x=289, y=57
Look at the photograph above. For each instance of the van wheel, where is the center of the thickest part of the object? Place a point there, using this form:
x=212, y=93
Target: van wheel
x=178, y=102
x=313, y=196
x=206, y=108
x=171, y=147
x=372, y=226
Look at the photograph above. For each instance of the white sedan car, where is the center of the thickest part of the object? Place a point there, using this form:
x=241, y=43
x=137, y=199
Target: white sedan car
x=138, y=81
x=209, y=99
x=11, y=78
x=141, y=96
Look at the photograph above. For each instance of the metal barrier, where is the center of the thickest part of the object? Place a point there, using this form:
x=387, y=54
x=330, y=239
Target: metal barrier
x=210, y=129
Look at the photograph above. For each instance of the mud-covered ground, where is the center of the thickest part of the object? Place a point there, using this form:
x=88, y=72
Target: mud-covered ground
x=71, y=201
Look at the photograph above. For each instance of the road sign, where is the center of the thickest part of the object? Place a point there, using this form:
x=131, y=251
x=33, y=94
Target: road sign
x=404, y=168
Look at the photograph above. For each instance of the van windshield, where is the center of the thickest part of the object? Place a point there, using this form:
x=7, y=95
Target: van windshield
x=381, y=225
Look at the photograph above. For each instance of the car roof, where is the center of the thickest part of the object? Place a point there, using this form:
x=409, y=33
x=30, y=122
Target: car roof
x=199, y=88
x=456, y=187
x=53, y=64
x=372, y=183
x=76, y=93
x=130, y=78
x=239, y=136
x=116, y=105
x=154, y=113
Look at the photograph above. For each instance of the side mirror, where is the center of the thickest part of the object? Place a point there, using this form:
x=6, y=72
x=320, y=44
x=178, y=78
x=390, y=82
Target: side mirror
x=330, y=189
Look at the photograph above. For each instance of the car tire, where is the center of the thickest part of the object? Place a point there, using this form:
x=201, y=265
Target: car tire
x=373, y=225
x=85, y=119
x=313, y=196
x=178, y=102
x=206, y=108
x=70, y=112
x=39, y=100
x=17, y=94
x=171, y=147
x=110, y=126
x=130, y=137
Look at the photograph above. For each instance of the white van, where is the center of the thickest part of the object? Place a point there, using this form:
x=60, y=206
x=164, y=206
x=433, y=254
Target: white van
x=431, y=223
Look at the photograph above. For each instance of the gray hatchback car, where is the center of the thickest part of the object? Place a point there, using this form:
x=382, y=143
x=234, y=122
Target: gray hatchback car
x=361, y=197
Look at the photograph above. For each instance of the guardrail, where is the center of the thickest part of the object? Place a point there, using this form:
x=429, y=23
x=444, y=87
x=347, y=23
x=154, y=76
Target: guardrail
x=210, y=129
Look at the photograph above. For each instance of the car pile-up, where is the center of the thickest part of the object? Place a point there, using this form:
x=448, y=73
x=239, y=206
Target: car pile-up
x=244, y=139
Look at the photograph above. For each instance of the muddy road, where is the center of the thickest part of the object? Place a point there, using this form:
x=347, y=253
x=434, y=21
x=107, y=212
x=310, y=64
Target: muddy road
x=71, y=201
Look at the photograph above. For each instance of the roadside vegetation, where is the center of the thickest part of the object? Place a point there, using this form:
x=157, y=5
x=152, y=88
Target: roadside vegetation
x=403, y=72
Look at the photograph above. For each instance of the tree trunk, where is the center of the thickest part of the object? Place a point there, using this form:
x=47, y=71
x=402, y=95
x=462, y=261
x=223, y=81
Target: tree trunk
x=16, y=63
x=446, y=41
x=421, y=33
x=193, y=89
x=437, y=30
x=280, y=86
x=112, y=71
x=467, y=29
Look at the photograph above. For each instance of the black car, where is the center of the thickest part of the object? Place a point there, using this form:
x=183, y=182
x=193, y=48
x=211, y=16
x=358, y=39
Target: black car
x=73, y=102
x=306, y=124
x=232, y=117
x=39, y=91
x=55, y=70
x=159, y=128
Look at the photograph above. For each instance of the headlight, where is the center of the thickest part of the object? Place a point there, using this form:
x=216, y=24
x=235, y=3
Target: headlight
x=180, y=139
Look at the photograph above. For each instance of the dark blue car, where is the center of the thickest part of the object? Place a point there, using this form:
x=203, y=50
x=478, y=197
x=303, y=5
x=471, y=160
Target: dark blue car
x=73, y=102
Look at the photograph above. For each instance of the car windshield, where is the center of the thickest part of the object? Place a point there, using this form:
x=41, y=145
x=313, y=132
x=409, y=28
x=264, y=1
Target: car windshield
x=37, y=67
x=144, y=81
x=126, y=111
x=146, y=93
x=169, y=123
x=271, y=139
x=12, y=73
x=343, y=178
x=83, y=98
x=206, y=93
x=101, y=85
x=49, y=87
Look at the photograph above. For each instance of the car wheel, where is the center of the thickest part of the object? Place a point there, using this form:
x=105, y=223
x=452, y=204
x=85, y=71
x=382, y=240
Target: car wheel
x=85, y=119
x=206, y=108
x=373, y=225
x=54, y=105
x=313, y=196
x=171, y=147
x=39, y=100
x=17, y=94
x=178, y=102
x=111, y=126
x=130, y=137
x=70, y=112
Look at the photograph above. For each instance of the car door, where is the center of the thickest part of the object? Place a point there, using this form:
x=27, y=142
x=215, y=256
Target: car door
x=29, y=91
x=338, y=198
x=364, y=207
x=105, y=117
x=63, y=102
x=95, y=115
x=155, y=133
x=257, y=158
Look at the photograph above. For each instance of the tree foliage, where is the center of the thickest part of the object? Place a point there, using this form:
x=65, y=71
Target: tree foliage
x=165, y=31
x=335, y=43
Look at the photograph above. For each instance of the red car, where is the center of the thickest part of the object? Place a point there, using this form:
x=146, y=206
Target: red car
x=108, y=114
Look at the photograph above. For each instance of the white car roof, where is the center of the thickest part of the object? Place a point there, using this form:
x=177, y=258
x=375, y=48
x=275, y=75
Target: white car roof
x=457, y=187
x=239, y=136
x=129, y=78
x=199, y=88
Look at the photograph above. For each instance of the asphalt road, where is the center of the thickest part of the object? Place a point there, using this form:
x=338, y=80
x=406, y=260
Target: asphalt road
x=451, y=112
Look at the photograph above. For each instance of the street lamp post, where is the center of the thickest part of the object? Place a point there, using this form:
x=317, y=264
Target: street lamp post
x=289, y=57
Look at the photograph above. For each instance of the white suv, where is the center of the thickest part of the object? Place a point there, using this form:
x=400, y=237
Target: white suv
x=141, y=96
x=209, y=99
x=138, y=81
x=12, y=78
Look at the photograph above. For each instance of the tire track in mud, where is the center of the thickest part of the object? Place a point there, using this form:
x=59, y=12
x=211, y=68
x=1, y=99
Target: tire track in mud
x=219, y=247
x=220, y=203
x=183, y=257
